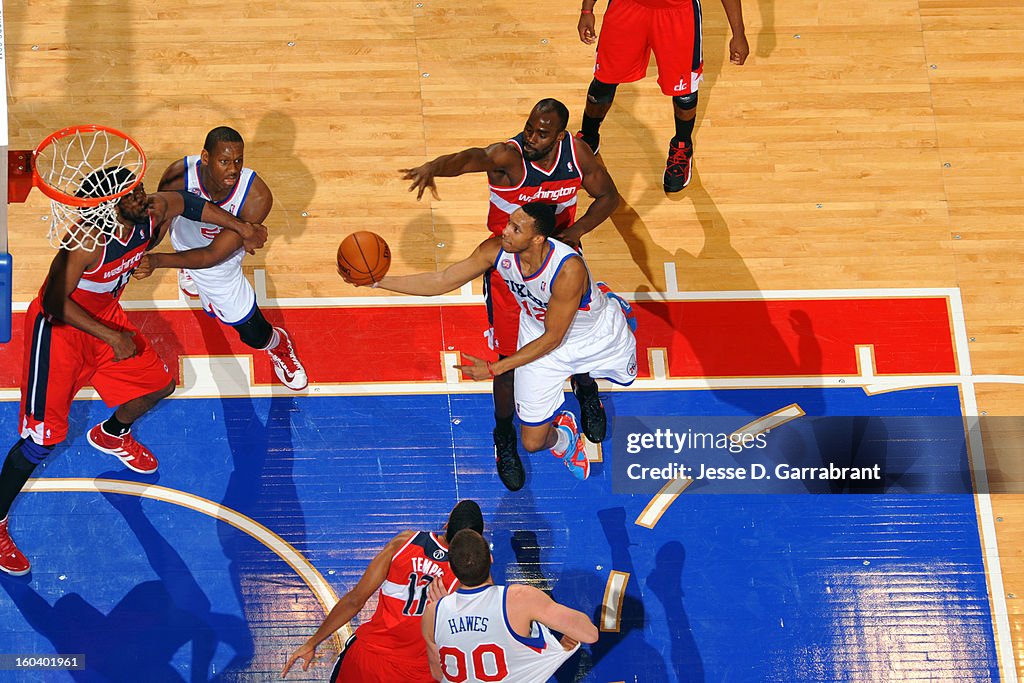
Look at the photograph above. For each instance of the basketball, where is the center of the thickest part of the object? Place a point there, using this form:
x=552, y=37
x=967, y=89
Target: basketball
x=364, y=257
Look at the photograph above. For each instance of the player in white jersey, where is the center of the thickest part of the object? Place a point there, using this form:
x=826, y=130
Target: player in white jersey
x=484, y=632
x=211, y=258
x=567, y=326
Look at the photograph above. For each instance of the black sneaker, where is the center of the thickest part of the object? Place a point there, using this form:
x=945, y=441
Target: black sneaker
x=678, y=166
x=595, y=422
x=594, y=143
x=506, y=457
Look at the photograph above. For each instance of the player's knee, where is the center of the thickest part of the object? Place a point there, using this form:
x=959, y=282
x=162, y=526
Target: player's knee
x=256, y=331
x=534, y=439
x=685, y=102
x=26, y=454
x=601, y=93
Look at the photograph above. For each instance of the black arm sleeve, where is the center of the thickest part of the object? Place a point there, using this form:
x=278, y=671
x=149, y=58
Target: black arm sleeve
x=193, y=206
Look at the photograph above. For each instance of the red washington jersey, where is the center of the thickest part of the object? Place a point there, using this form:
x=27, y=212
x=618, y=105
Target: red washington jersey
x=557, y=185
x=100, y=288
x=395, y=625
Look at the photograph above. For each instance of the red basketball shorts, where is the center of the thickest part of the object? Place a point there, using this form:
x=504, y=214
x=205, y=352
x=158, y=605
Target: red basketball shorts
x=631, y=31
x=363, y=664
x=503, y=313
x=60, y=360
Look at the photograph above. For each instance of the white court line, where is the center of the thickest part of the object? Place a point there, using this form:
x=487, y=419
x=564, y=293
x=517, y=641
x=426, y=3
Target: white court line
x=465, y=296
x=611, y=606
x=990, y=545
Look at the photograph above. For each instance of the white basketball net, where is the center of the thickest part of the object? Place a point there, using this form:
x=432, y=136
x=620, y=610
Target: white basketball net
x=66, y=164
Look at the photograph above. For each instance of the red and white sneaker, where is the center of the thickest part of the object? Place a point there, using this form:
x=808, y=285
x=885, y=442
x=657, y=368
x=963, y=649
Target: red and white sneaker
x=678, y=166
x=575, y=457
x=12, y=560
x=133, y=454
x=187, y=285
x=286, y=364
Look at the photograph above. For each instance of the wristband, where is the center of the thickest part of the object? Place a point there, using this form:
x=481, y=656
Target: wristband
x=586, y=11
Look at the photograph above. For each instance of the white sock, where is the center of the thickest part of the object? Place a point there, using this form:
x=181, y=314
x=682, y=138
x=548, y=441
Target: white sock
x=562, y=443
x=275, y=339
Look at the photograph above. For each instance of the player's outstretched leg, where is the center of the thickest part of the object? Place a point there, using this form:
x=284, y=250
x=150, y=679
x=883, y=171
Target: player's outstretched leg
x=114, y=436
x=595, y=422
x=287, y=366
x=506, y=445
x=569, y=446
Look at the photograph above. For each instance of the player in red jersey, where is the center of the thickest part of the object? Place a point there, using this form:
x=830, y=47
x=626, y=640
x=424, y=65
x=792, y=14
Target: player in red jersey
x=671, y=29
x=76, y=333
x=540, y=164
x=389, y=647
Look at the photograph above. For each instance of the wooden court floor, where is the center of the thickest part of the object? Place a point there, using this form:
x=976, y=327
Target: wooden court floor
x=863, y=145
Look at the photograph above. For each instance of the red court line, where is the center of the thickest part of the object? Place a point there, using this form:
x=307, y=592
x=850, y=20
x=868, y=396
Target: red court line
x=747, y=338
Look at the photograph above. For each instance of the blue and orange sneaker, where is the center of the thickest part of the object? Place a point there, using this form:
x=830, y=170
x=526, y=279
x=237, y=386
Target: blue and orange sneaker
x=575, y=457
x=627, y=310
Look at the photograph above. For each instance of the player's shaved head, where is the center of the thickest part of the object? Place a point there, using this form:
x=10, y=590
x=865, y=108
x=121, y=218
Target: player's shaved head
x=221, y=134
x=553, y=106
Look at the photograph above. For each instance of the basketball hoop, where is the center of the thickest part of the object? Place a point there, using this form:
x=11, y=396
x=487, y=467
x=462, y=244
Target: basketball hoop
x=85, y=170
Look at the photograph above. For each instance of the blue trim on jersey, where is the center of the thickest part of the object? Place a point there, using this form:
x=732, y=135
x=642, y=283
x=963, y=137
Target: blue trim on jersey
x=496, y=260
x=534, y=642
x=245, y=318
x=544, y=422
x=547, y=260
x=248, y=186
x=621, y=384
x=586, y=298
x=474, y=591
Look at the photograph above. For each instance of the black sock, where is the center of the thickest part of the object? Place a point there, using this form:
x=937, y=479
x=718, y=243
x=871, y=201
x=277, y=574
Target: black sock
x=684, y=130
x=115, y=427
x=504, y=424
x=585, y=385
x=16, y=471
x=591, y=127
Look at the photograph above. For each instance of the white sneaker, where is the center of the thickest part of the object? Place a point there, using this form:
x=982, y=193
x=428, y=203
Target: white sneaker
x=286, y=364
x=187, y=285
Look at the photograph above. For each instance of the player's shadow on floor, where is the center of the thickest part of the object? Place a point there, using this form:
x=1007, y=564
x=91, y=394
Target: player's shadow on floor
x=261, y=487
x=272, y=148
x=138, y=639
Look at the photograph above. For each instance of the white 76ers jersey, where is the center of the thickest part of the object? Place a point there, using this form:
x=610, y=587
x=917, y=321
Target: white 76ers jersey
x=476, y=643
x=223, y=289
x=533, y=294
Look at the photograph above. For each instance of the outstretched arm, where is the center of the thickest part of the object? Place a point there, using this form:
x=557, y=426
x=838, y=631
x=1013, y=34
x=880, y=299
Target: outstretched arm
x=738, y=47
x=164, y=206
x=526, y=603
x=599, y=185
x=496, y=157
x=223, y=246
x=452, y=277
x=350, y=603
